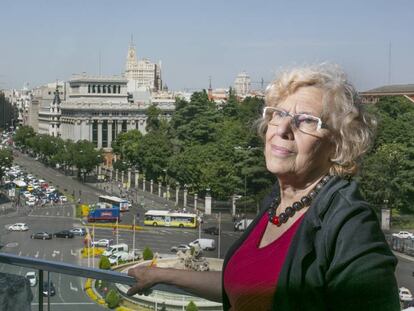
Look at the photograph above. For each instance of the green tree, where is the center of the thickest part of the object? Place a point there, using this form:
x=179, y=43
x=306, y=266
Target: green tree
x=104, y=263
x=147, y=253
x=86, y=157
x=194, y=121
x=387, y=172
x=191, y=306
x=6, y=160
x=127, y=145
x=23, y=134
x=112, y=299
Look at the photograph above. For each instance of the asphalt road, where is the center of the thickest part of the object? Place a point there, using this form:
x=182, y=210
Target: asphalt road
x=69, y=289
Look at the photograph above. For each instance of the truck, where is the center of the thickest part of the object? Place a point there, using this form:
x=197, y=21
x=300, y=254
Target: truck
x=241, y=225
x=104, y=215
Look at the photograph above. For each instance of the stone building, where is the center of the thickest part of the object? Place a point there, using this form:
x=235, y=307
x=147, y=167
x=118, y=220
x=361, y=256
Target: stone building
x=97, y=109
x=142, y=74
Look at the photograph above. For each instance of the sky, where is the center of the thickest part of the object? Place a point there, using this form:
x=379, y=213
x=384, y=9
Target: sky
x=46, y=40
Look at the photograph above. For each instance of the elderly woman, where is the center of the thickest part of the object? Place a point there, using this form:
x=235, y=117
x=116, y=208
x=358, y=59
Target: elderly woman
x=316, y=245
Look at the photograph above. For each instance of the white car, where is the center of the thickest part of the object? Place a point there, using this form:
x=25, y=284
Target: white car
x=27, y=194
x=403, y=235
x=32, y=277
x=50, y=190
x=125, y=256
x=18, y=227
x=405, y=294
x=101, y=243
x=30, y=203
x=62, y=198
x=181, y=247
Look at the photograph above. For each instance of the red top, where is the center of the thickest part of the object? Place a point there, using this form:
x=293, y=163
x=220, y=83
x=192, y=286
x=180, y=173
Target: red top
x=251, y=275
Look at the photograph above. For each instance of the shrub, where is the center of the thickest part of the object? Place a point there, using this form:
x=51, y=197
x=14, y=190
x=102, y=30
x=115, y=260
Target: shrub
x=191, y=307
x=147, y=253
x=104, y=263
x=112, y=299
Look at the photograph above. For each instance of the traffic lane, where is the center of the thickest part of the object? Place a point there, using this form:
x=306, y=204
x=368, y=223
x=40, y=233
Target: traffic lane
x=405, y=272
x=58, y=179
x=161, y=239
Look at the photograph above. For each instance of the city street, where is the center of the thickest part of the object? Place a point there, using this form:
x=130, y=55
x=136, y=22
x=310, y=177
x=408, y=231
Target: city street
x=59, y=217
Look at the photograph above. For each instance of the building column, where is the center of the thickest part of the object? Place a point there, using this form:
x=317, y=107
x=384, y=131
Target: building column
x=136, y=178
x=119, y=124
x=99, y=145
x=129, y=178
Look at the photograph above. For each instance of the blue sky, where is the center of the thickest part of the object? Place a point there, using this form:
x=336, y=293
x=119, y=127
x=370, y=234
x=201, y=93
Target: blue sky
x=43, y=40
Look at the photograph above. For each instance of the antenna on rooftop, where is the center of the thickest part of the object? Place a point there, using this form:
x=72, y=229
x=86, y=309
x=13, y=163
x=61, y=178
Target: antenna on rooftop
x=209, y=82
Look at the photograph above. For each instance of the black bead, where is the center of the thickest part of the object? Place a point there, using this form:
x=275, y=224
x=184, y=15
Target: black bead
x=306, y=200
x=318, y=187
x=290, y=211
x=312, y=194
x=297, y=206
x=283, y=217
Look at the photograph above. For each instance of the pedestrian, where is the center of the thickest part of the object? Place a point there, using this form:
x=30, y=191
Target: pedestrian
x=316, y=245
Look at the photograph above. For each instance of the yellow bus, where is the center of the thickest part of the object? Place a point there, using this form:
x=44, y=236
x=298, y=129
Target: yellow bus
x=170, y=219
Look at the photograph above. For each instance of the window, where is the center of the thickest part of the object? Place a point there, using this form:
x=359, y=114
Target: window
x=124, y=126
x=99, y=89
x=95, y=133
x=105, y=134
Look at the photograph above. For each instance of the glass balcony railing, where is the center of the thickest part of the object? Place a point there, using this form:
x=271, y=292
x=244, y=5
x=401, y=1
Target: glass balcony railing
x=18, y=292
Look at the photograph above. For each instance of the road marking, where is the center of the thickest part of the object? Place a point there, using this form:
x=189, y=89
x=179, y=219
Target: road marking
x=74, y=288
x=57, y=214
x=20, y=253
x=55, y=252
x=73, y=253
x=68, y=214
x=47, y=213
x=37, y=254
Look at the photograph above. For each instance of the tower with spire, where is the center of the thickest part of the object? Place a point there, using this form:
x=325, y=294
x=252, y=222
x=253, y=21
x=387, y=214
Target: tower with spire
x=141, y=74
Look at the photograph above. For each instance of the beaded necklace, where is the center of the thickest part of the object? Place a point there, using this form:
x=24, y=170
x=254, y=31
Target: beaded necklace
x=296, y=206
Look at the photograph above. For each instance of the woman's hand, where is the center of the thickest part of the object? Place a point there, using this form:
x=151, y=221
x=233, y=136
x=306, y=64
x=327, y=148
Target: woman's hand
x=145, y=277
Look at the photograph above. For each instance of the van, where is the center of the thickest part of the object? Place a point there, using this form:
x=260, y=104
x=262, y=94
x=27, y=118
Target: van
x=115, y=248
x=242, y=224
x=204, y=244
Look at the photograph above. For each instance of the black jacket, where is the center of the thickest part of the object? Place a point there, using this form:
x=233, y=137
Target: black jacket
x=338, y=258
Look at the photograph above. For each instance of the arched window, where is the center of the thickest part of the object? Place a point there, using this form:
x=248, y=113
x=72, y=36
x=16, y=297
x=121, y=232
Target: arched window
x=93, y=88
x=89, y=88
x=99, y=89
x=104, y=89
x=119, y=89
x=109, y=89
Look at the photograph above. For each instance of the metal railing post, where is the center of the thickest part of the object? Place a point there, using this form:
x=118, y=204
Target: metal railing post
x=40, y=290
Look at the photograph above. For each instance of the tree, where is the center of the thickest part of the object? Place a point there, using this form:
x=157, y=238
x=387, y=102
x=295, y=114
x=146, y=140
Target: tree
x=86, y=158
x=23, y=134
x=147, y=253
x=387, y=173
x=191, y=306
x=194, y=121
x=6, y=160
x=104, y=263
x=112, y=299
x=127, y=145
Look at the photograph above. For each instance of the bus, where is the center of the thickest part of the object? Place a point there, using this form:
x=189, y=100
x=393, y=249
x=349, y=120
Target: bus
x=170, y=219
x=114, y=202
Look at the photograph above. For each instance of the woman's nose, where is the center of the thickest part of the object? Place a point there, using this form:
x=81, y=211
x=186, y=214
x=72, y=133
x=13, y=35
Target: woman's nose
x=285, y=128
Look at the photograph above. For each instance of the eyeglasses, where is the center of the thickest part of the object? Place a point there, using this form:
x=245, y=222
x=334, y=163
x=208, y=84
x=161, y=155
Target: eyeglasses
x=303, y=122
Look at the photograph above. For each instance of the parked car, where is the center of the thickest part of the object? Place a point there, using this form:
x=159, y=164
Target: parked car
x=32, y=277
x=64, y=234
x=63, y=198
x=18, y=227
x=124, y=256
x=181, y=247
x=405, y=294
x=78, y=231
x=41, y=235
x=403, y=235
x=101, y=243
x=46, y=291
x=211, y=230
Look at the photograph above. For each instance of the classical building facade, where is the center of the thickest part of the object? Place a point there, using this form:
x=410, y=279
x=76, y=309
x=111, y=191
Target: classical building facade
x=142, y=74
x=97, y=109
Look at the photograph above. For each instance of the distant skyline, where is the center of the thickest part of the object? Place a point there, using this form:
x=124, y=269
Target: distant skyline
x=46, y=40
